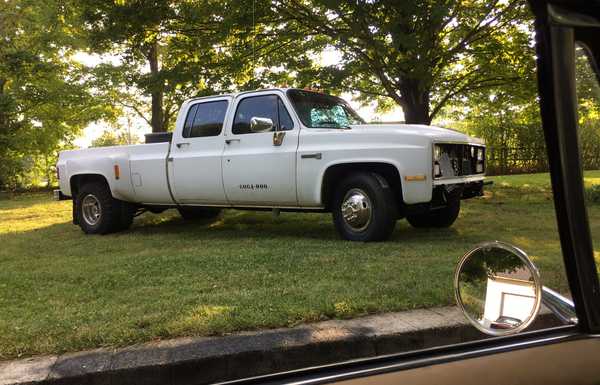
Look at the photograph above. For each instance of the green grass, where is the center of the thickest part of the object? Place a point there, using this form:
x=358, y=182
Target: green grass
x=63, y=291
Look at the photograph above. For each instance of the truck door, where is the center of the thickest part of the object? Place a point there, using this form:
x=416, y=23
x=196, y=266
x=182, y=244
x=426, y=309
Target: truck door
x=259, y=160
x=195, y=159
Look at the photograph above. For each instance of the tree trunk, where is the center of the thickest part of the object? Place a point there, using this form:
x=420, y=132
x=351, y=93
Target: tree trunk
x=3, y=120
x=3, y=129
x=157, y=93
x=415, y=103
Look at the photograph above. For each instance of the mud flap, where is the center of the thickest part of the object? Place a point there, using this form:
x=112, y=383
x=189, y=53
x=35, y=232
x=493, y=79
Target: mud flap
x=75, y=220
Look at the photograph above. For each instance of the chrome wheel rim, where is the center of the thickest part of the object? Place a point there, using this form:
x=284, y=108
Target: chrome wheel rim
x=91, y=209
x=357, y=209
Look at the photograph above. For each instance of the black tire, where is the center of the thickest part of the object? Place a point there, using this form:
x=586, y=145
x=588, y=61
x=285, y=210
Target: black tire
x=195, y=213
x=383, y=208
x=437, y=218
x=111, y=213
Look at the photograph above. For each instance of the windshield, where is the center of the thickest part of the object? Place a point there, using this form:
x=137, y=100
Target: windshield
x=323, y=111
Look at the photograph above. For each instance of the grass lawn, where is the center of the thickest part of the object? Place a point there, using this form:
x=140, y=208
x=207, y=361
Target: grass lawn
x=63, y=291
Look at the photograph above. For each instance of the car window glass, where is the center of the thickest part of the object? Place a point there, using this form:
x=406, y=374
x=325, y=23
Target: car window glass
x=189, y=119
x=331, y=115
x=358, y=227
x=207, y=119
x=285, y=120
x=254, y=107
x=317, y=110
x=588, y=116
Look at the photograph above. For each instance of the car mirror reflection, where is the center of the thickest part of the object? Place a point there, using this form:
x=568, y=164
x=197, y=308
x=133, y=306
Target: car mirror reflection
x=498, y=288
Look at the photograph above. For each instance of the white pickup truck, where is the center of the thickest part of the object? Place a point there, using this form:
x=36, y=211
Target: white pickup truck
x=280, y=149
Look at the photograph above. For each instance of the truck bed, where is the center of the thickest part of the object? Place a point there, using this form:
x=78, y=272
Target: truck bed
x=141, y=168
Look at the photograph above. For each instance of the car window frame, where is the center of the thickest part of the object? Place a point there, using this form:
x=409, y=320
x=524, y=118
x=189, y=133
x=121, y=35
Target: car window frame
x=279, y=97
x=195, y=106
x=344, y=103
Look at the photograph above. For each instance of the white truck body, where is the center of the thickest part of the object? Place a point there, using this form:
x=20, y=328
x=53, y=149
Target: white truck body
x=250, y=170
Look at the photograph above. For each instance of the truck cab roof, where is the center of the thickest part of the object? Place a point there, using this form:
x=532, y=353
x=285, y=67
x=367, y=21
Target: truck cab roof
x=237, y=94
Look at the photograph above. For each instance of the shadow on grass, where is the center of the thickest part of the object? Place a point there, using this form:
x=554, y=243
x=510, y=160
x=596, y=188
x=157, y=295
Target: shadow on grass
x=249, y=224
x=234, y=225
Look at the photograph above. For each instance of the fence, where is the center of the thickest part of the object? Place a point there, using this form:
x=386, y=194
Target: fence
x=521, y=160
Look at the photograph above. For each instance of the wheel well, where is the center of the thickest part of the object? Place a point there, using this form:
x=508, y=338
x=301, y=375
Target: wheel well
x=336, y=173
x=77, y=181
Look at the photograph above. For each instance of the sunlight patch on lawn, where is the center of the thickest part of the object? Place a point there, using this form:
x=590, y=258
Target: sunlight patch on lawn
x=202, y=319
x=590, y=181
x=523, y=243
x=37, y=216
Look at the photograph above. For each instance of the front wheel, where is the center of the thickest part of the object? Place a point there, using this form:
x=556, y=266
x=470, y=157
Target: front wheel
x=363, y=209
x=442, y=217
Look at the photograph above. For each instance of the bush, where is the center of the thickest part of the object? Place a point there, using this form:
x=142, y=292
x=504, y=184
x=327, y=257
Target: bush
x=592, y=194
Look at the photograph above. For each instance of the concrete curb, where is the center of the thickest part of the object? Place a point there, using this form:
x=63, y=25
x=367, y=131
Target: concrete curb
x=208, y=360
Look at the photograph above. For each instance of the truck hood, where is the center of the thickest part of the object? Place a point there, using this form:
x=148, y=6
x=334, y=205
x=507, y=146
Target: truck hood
x=433, y=132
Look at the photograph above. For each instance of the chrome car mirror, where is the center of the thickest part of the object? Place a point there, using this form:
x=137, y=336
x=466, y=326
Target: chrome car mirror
x=498, y=288
x=258, y=124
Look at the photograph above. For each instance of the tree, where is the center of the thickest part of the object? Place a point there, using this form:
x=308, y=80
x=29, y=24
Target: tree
x=169, y=50
x=114, y=138
x=588, y=108
x=421, y=54
x=44, y=99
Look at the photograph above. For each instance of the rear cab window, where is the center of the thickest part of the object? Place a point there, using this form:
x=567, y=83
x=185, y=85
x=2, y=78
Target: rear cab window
x=205, y=119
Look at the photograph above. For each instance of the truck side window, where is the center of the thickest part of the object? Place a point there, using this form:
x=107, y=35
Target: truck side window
x=285, y=120
x=205, y=119
x=267, y=106
x=189, y=120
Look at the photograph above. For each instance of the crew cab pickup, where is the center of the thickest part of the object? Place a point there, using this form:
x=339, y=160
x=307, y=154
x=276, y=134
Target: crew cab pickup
x=280, y=149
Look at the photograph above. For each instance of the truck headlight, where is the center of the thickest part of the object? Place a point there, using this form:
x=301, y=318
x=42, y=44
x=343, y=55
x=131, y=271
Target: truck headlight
x=480, y=153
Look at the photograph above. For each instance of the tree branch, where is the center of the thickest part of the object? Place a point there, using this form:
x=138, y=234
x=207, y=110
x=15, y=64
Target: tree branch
x=137, y=110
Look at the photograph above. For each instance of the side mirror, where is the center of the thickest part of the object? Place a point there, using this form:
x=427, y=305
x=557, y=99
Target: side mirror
x=258, y=124
x=498, y=288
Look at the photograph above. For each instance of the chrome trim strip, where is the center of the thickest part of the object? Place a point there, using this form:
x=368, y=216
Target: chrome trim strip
x=459, y=179
x=229, y=206
x=562, y=307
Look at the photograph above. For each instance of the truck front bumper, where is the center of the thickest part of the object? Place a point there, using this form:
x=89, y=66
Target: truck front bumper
x=444, y=193
x=448, y=192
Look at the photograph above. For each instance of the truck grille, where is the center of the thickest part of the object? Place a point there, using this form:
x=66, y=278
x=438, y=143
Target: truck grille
x=453, y=160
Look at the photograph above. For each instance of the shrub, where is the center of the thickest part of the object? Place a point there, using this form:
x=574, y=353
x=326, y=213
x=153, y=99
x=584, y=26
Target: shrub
x=592, y=194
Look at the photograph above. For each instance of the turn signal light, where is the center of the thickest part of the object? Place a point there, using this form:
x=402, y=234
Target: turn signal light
x=415, y=178
x=117, y=171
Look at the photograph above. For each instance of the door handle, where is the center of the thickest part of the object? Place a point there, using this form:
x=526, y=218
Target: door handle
x=228, y=141
x=179, y=145
x=316, y=155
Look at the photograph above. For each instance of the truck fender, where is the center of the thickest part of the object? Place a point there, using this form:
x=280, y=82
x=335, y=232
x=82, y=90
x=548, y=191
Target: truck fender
x=114, y=170
x=368, y=165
